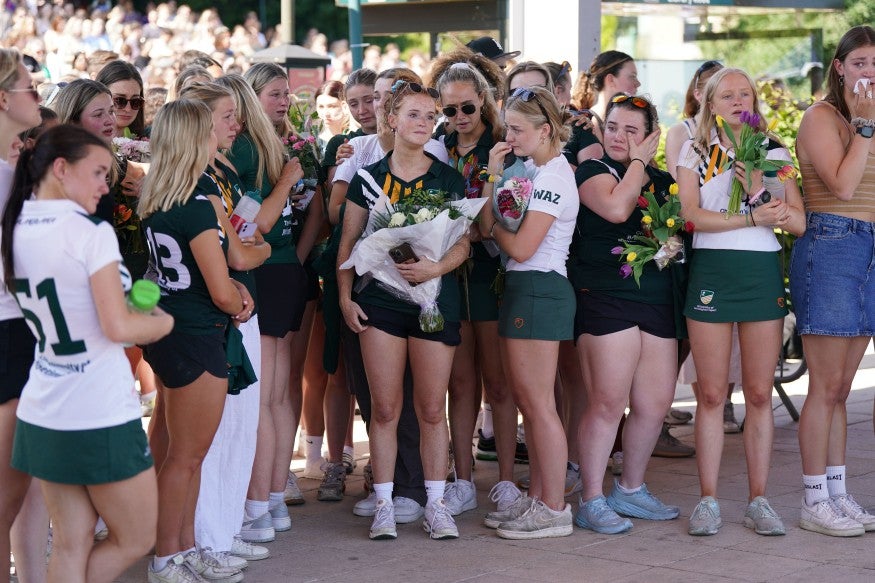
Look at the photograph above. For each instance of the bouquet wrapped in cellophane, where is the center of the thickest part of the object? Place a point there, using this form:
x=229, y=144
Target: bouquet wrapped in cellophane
x=431, y=225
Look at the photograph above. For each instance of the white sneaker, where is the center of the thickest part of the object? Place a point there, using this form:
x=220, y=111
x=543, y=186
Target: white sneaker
x=847, y=504
x=366, y=506
x=279, y=517
x=292, y=494
x=258, y=530
x=225, y=559
x=315, y=470
x=439, y=523
x=460, y=496
x=827, y=518
x=407, y=510
x=210, y=569
x=504, y=494
x=383, y=526
x=250, y=552
x=175, y=571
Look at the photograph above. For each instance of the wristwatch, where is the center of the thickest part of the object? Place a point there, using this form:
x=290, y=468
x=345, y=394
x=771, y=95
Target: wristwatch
x=866, y=131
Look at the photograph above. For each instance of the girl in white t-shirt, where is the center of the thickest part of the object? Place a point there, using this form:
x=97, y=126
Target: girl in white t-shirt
x=78, y=426
x=538, y=305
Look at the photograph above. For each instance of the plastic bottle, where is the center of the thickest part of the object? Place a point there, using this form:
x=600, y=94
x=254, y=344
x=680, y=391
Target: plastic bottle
x=246, y=210
x=143, y=298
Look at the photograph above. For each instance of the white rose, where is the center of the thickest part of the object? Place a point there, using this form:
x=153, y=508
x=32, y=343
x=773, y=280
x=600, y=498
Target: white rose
x=396, y=220
x=422, y=215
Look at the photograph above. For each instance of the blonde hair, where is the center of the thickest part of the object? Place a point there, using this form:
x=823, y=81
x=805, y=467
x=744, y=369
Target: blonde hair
x=493, y=74
x=255, y=121
x=180, y=135
x=9, y=60
x=707, y=119
x=209, y=93
x=525, y=67
x=258, y=76
x=465, y=73
x=75, y=97
x=189, y=75
x=543, y=102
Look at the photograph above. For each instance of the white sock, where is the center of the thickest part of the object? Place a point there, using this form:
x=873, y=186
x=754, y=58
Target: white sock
x=349, y=449
x=627, y=490
x=255, y=508
x=384, y=491
x=815, y=489
x=100, y=525
x=486, y=428
x=274, y=499
x=159, y=563
x=434, y=490
x=835, y=480
x=314, y=448
x=191, y=550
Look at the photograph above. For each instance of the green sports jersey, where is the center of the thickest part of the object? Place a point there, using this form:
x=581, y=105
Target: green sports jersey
x=439, y=177
x=184, y=292
x=246, y=160
x=591, y=265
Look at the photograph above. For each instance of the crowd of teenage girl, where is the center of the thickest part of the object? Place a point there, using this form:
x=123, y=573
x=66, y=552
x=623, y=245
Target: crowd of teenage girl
x=247, y=318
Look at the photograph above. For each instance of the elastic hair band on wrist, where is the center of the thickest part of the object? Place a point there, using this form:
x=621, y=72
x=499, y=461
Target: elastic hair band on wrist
x=638, y=160
x=752, y=219
x=862, y=122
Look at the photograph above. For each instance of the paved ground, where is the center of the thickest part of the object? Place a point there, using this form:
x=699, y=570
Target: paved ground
x=328, y=543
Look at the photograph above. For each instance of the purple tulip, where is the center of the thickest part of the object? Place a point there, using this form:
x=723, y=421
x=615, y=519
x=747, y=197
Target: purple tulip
x=745, y=117
x=754, y=120
x=616, y=250
x=625, y=270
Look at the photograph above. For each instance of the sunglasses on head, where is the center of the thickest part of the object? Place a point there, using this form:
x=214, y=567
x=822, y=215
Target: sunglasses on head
x=33, y=92
x=526, y=95
x=564, y=69
x=135, y=101
x=636, y=101
x=415, y=87
x=705, y=67
x=452, y=110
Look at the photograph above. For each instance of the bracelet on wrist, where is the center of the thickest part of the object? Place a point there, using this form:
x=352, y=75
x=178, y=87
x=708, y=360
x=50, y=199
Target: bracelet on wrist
x=638, y=160
x=862, y=122
x=492, y=230
x=487, y=176
x=752, y=220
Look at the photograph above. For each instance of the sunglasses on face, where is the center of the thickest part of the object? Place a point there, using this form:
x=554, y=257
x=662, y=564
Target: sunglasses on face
x=33, y=92
x=526, y=95
x=467, y=109
x=636, y=101
x=415, y=87
x=122, y=102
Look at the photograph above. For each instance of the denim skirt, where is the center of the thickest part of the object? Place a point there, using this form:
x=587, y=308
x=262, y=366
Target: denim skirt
x=832, y=277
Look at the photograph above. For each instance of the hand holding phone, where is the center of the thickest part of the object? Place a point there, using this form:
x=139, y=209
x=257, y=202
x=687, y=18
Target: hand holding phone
x=404, y=253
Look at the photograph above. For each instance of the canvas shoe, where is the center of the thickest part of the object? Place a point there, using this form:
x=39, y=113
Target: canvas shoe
x=539, y=521
x=705, y=519
x=828, y=518
x=617, y=463
x=596, y=515
x=210, y=569
x=258, y=530
x=847, y=504
x=292, y=494
x=349, y=463
x=333, y=484
x=667, y=445
x=640, y=504
x=763, y=519
x=730, y=425
x=250, y=552
x=485, y=449
x=175, y=571
x=516, y=509
x=407, y=510
x=460, y=496
x=504, y=494
x=438, y=522
x=279, y=517
x=383, y=526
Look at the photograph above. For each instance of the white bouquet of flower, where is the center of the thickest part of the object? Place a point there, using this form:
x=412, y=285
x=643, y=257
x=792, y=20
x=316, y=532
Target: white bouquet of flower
x=133, y=150
x=431, y=225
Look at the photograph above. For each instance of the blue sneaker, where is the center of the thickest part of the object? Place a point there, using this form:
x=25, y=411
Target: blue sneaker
x=596, y=515
x=640, y=504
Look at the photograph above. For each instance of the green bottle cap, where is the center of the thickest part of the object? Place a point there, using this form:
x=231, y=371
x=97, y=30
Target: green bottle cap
x=144, y=295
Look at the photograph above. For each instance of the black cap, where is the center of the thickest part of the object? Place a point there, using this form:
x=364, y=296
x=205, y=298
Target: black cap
x=491, y=48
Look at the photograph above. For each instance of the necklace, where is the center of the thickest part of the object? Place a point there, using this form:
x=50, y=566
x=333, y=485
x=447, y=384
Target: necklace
x=467, y=145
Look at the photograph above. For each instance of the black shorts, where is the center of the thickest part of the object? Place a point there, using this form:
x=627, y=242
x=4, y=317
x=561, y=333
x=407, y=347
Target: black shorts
x=599, y=314
x=282, y=296
x=179, y=359
x=16, y=357
x=312, y=287
x=405, y=325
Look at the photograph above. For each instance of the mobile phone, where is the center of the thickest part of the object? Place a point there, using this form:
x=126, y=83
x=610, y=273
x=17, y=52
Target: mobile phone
x=248, y=230
x=402, y=253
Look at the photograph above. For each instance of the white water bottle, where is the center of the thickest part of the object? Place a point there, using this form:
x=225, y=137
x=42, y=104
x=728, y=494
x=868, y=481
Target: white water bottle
x=246, y=210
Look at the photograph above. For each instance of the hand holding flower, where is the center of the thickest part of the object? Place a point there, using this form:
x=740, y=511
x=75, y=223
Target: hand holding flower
x=419, y=271
x=756, y=178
